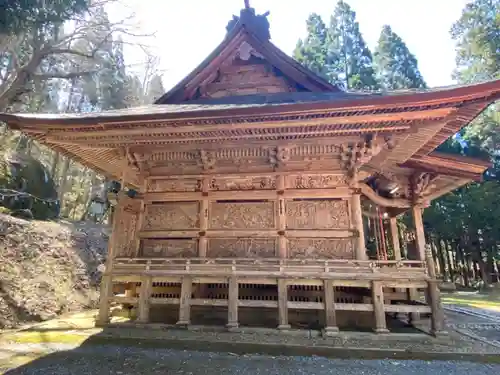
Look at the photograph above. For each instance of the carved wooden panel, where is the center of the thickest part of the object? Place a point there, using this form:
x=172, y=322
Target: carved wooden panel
x=316, y=181
x=249, y=183
x=244, y=78
x=127, y=215
x=321, y=248
x=172, y=216
x=242, y=215
x=169, y=248
x=241, y=248
x=323, y=214
x=173, y=185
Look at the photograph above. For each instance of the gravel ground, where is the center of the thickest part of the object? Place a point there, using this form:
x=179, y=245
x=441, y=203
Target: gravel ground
x=131, y=361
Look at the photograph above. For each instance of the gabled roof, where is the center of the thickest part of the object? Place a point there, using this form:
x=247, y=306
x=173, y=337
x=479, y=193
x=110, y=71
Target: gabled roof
x=245, y=31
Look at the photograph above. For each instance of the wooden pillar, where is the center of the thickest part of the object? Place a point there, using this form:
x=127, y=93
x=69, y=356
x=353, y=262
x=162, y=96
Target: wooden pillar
x=281, y=215
x=330, y=314
x=434, y=297
x=283, y=304
x=357, y=218
x=107, y=278
x=140, y=219
x=185, y=301
x=378, y=307
x=144, y=295
x=203, y=218
x=419, y=232
x=232, y=303
x=396, y=247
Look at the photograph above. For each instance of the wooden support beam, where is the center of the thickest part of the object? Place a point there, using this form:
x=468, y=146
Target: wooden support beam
x=185, y=302
x=378, y=307
x=393, y=221
x=357, y=218
x=232, y=304
x=283, y=305
x=419, y=232
x=106, y=295
x=330, y=314
x=144, y=295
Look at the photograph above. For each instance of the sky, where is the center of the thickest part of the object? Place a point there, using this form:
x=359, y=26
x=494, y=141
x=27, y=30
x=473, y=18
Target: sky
x=186, y=31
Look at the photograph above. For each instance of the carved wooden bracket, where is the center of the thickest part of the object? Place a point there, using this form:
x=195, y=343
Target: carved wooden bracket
x=420, y=183
x=279, y=156
x=207, y=160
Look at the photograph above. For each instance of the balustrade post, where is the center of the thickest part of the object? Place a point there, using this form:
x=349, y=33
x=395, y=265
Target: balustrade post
x=378, y=307
x=283, y=304
x=232, y=304
x=330, y=314
x=185, y=301
x=144, y=295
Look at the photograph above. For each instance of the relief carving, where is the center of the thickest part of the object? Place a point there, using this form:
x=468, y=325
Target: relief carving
x=317, y=181
x=173, y=185
x=182, y=248
x=207, y=159
x=324, y=214
x=243, y=215
x=279, y=156
x=241, y=248
x=172, y=216
x=321, y=248
x=126, y=228
x=256, y=183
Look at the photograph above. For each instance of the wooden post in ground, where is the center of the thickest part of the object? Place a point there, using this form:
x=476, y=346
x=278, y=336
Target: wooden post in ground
x=232, y=304
x=185, y=302
x=434, y=297
x=330, y=315
x=378, y=307
x=107, y=278
x=283, y=305
x=144, y=295
x=413, y=294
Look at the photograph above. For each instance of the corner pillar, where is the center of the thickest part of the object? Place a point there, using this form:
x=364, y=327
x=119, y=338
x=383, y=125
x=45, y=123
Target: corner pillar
x=419, y=232
x=357, y=218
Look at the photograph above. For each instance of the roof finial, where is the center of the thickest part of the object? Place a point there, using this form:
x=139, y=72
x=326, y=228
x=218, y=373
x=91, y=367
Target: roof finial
x=247, y=4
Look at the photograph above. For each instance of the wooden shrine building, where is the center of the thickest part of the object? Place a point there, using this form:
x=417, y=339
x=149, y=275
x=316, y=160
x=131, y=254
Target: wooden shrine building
x=254, y=178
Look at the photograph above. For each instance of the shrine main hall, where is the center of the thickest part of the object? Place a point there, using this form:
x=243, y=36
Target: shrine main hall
x=247, y=190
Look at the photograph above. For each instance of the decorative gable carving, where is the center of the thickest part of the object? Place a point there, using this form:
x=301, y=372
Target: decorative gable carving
x=245, y=72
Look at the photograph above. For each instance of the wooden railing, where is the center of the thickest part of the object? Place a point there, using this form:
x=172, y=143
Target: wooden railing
x=270, y=267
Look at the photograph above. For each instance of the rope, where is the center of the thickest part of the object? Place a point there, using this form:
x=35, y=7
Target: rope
x=14, y=193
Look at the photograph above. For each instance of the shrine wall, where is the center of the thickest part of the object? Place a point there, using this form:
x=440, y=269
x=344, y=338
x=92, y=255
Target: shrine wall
x=295, y=216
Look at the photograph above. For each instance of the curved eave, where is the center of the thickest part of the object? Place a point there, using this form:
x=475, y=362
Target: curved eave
x=481, y=95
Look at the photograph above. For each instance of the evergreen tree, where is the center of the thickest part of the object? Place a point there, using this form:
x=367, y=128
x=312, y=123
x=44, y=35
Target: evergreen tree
x=155, y=89
x=396, y=67
x=478, y=41
x=348, y=58
x=338, y=52
x=312, y=51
